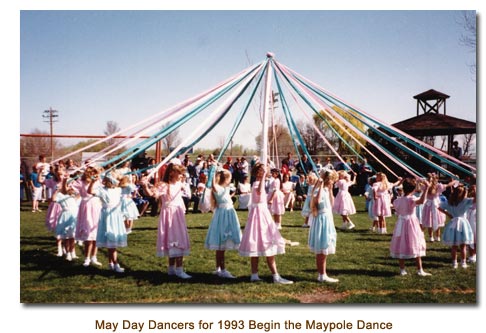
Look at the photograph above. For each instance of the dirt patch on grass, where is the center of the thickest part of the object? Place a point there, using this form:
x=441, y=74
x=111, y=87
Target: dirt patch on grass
x=329, y=296
x=322, y=296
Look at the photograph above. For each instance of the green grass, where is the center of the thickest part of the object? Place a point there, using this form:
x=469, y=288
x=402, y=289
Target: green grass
x=362, y=263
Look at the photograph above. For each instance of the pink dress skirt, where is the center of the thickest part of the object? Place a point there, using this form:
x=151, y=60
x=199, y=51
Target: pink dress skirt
x=261, y=236
x=408, y=239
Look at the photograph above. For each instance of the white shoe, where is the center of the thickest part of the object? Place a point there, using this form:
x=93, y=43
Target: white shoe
x=59, y=253
x=171, y=270
x=111, y=266
x=403, y=272
x=73, y=255
x=95, y=261
x=472, y=259
x=118, y=269
x=325, y=278
x=279, y=226
x=344, y=226
x=432, y=239
x=422, y=273
x=464, y=264
x=225, y=274
x=280, y=280
x=255, y=278
x=351, y=225
x=181, y=274
x=305, y=226
x=86, y=262
x=454, y=264
x=68, y=257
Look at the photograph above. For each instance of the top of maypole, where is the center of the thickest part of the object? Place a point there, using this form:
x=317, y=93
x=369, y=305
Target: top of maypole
x=270, y=54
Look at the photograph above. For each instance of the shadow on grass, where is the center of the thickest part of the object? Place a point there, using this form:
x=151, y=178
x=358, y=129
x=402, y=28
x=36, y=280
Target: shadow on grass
x=136, y=229
x=53, y=267
x=38, y=241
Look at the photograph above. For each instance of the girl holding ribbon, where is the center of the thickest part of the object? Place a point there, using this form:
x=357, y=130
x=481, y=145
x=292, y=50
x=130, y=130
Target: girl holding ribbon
x=408, y=240
x=224, y=231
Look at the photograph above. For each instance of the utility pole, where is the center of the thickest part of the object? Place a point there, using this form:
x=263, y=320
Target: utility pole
x=50, y=116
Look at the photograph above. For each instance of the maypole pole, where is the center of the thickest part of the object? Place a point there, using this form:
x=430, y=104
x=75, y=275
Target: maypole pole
x=267, y=98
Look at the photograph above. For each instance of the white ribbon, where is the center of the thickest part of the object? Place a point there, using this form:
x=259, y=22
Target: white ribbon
x=434, y=204
x=399, y=225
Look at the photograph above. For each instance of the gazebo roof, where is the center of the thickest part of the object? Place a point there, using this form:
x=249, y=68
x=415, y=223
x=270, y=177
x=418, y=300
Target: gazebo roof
x=430, y=95
x=432, y=124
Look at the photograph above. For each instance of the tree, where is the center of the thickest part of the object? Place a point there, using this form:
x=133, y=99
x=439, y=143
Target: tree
x=110, y=129
x=312, y=140
x=32, y=147
x=468, y=141
x=171, y=140
x=278, y=134
x=469, y=37
x=341, y=133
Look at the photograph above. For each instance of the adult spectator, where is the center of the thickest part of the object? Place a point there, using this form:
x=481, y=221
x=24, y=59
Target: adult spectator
x=354, y=190
x=343, y=165
x=365, y=171
x=43, y=169
x=140, y=161
x=35, y=184
x=228, y=165
x=304, y=166
x=42, y=166
x=456, y=150
x=328, y=164
x=288, y=164
x=301, y=188
x=244, y=168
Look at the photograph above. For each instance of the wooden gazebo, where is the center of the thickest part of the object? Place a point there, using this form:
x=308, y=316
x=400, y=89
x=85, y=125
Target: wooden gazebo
x=431, y=122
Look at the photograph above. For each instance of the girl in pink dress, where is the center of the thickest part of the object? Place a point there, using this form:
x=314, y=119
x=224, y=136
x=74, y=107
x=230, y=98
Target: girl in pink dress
x=288, y=192
x=382, y=204
x=343, y=202
x=408, y=239
x=172, y=235
x=276, y=199
x=88, y=215
x=261, y=236
x=54, y=209
x=432, y=218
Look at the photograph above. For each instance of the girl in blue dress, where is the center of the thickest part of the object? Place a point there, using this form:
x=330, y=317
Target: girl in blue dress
x=66, y=222
x=111, y=228
x=458, y=232
x=322, y=233
x=129, y=208
x=224, y=232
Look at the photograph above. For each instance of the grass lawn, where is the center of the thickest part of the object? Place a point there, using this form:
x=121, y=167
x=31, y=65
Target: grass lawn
x=362, y=264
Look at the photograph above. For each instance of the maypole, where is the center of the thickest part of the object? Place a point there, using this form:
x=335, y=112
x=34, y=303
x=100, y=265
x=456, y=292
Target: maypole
x=267, y=98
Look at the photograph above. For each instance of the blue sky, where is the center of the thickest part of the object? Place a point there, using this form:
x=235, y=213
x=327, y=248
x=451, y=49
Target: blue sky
x=96, y=66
